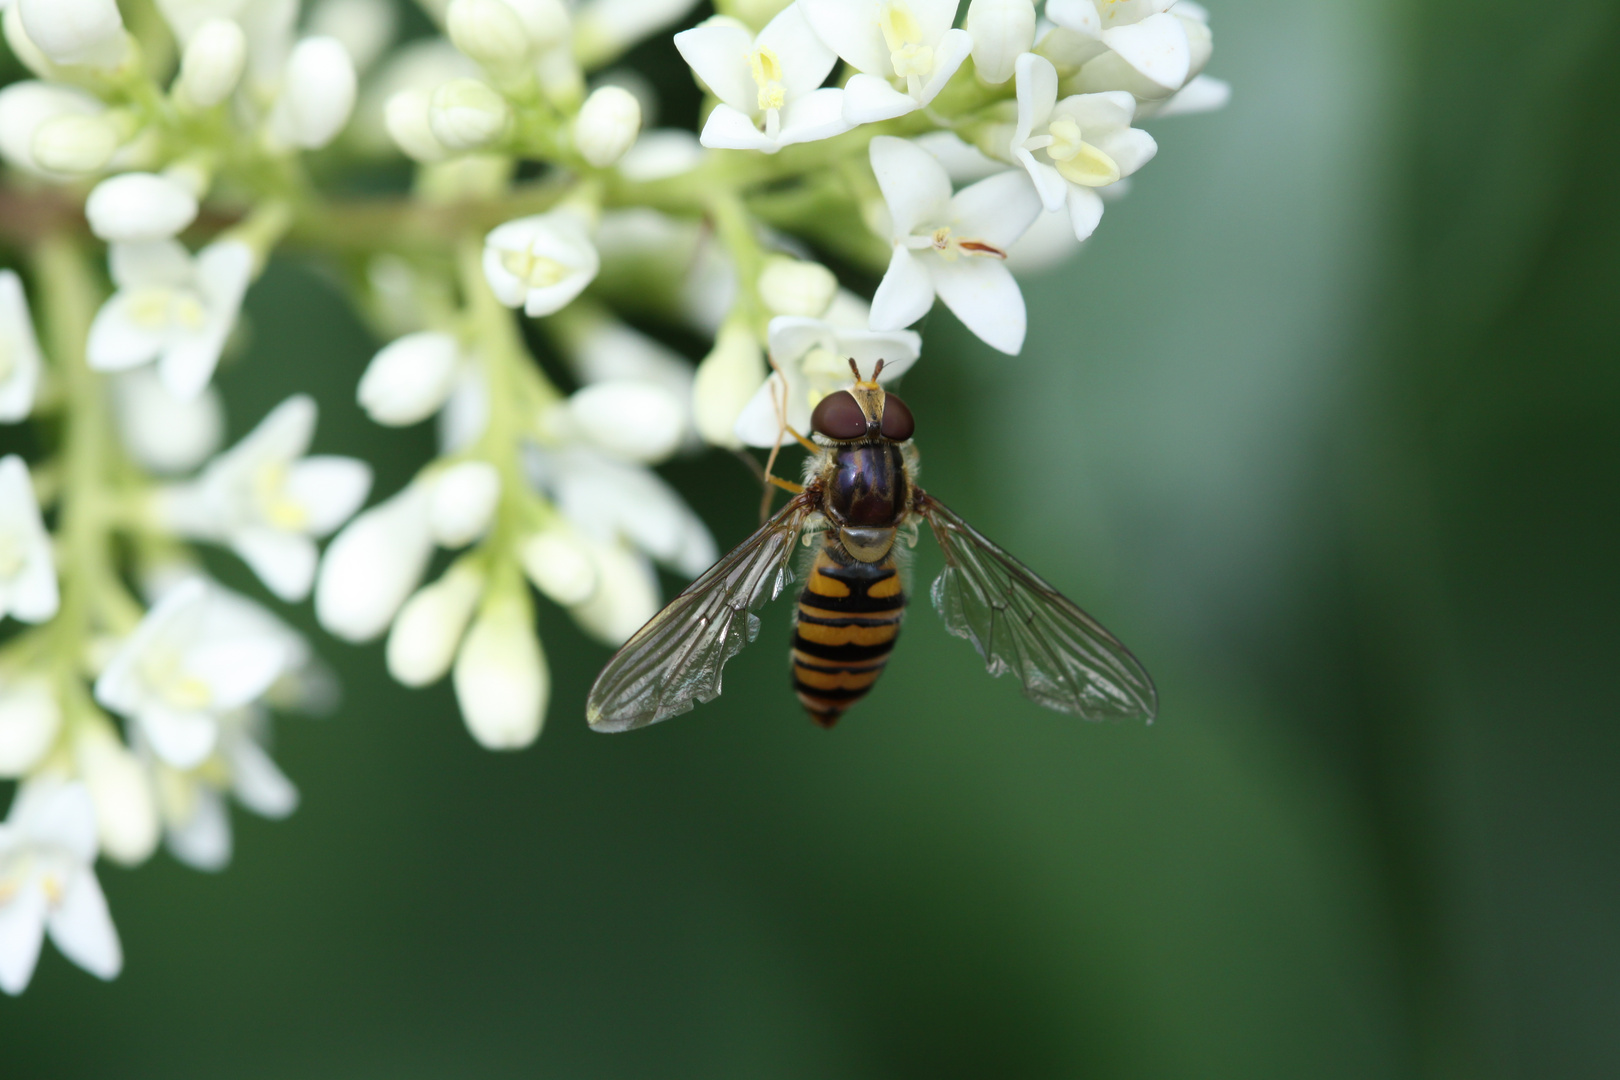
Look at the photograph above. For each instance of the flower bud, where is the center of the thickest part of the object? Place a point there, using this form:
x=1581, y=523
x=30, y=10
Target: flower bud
x=409, y=379
x=544, y=21
x=725, y=380
x=464, y=501
x=74, y=144
x=126, y=811
x=1001, y=31
x=407, y=118
x=559, y=565
x=213, y=62
x=162, y=432
x=373, y=564
x=632, y=420
x=427, y=630
x=489, y=32
x=317, y=94
x=23, y=47
x=607, y=125
x=363, y=27
x=465, y=114
x=76, y=31
x=790, y=286
x=29, y=720
x=626, y=596
x=137, y=207
x=500, y=675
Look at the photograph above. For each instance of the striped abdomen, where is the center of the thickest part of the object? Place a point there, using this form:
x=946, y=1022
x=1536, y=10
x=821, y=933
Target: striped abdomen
x=848, y=618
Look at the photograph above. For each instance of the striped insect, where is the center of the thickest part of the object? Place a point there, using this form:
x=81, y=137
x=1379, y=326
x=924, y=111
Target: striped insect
x=860, y=506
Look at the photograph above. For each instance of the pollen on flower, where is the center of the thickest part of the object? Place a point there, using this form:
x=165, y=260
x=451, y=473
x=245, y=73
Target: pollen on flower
x=537, y=271
x=903, y=36
x=158, y=307
x=1065, y=136
x=767, y=72
x=275, y=505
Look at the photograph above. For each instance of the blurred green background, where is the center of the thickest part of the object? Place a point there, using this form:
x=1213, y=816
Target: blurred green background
x=1325, y=423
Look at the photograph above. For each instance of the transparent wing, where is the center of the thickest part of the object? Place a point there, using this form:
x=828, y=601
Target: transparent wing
x=675, y=660
x=1019, y=623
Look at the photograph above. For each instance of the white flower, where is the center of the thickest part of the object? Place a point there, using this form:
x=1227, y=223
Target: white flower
x=1202, y=94
x=19, y=351
x=769, y=87
x=27, y=107
x=625, y=597
x=364, y=27
x=171, y=308
x=268, y=502
x=661, y=153
x=189, y=662
x=76, y=31
x=162, y=432
x=212, y=63
x=725, y=380
x=48, y=883
x=422, y=642
x=409, y=378
x=488, y=31
x=1137, y=45
x=603, y=349
x=905, y=42
x=373, y=564
x=605, y=28
x=607, y=125
x=465, y=497
x=952, y=246
x=1001, y=30
x=27, y=571
x=30, y=717
x=464, y=114
x=126, y=812
x=812, y=360
x=137, y=207
x=500, y=675
x=410, y=73
x=1073, y=146
x=559, y=563
x=630, y=419
x=540, y=263
x=790, y=286
x=317, y=94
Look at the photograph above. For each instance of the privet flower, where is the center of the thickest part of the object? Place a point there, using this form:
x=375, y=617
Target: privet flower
x=212, y=63
x=137, y=207
x=607, y=125
x=161, y=432
x=540, y=263
x=426, y=633
x=30, y=717
x=28, y=107
x=409, y=378
x=89, y=32
x=372, y=565
x=19, y=351
x=27, y=571
x=725, y=381
x=500, y=675
x=463, y=503
x=904, y=50
x=317, y=96
x=952, y=246
x=1001, y=30
x=126, y=810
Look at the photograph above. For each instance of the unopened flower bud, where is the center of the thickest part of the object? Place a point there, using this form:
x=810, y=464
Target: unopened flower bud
x=23, y=47
x=407, y=118
x=126, y=811
x=74, y=144
x=409, y=379
x=76, y=31
x=632, y=420
x=373, y=564
x=544, y=21
x=725, y=380
x=427, y=630
x=500, y=675
x=1001, y=31
x=29, y=720
x=364, y=27
x=137, y=207
x=488, y=31
x=626, y=596
x=213, y=62
x=607, y=125
x=317, y=95
x=464, y=501
x=790, y=286
x=163, y=432
x=465, y=114
x=559, y=565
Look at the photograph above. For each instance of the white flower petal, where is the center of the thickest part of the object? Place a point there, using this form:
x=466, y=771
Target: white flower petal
x=30, y=718
x=329, y=488
x=817, y=115
x=914, y=184
x=869, y=99
x=57, y=814
x=997, y=210
x=284, y=561
x=236, y=672
x=729, y=129
x=1050, y=185
x=963, y=163
x=982, y=293
x=805, y=60
x=1037, y=93
x=373, y=564
x=1085, y=210
x=180, y=737
x=153, y=262
x=1157, y=47
x=118, y=341
x=256, y=780
x=760, y=422
x=22, y=932
x=850, y=29
x=904, y=295
x=82, y=928
x=953, y=48
x=1202, y=94
x=139, y=206
x=203, y=840
x=717, y=50
x=1106, y=110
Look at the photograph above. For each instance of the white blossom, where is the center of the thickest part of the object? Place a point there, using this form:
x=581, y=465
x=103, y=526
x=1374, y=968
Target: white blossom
x=465, y=114
x=607, y=125
x=661, y=153
x=423, y=640
x=269, y=502
x=30, y=717
x=27, y=107
x=162, y=432
x=317, y=95
x=812, y=360
x=372, y=565
x=630, y=419
x=48, y=884
x=625, y=596
x=540, y=263
x=769, y=86
x=1001, y=30
x=27, y=570
x=409, y=378
x=191, y=660
x=905, y=51
x=605, y=28
x=790, y=286
x=87, y=32
x=488, y=31
x=126, y=811
x=1149, y=47
x=500, y=675
x=951, y=246
x=137, y=207
x=725, y=380
x=559, y=563
x=212, y=63
x=465, y=497
x=1074, y=146
x=172, y=308
x=20, y=357
x=363, y=27
x=1203, y=93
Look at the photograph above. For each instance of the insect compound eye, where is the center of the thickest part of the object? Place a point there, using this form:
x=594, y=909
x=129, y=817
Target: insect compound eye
x=838, y=416
x=898, y=423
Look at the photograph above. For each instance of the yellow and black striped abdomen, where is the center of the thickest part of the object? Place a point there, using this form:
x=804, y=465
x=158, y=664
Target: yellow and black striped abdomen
x=845, y=626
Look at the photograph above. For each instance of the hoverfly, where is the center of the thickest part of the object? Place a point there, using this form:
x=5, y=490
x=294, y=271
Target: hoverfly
x=861, y=501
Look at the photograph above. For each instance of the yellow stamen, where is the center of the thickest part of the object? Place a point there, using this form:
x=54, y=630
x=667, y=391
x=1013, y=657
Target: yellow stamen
x=1066, y=142
x=767, y=72
x=903, y=36
x=537, y=271
x=1089, y=167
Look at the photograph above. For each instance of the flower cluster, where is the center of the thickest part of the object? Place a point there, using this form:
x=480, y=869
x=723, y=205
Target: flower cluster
x=935, y=148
